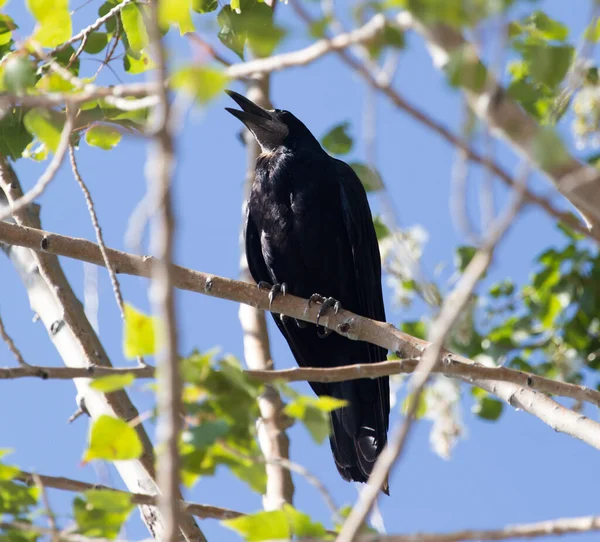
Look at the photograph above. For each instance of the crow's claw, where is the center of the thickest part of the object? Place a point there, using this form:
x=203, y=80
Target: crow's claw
x=326, y=304
x=274, y=290
x=315, y=298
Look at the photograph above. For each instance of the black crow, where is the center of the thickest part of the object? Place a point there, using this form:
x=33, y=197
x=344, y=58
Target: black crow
x=309, y=232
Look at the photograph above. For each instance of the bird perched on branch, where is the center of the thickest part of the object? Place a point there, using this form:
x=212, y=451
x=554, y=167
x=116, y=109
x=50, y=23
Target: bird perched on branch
x=309, y=232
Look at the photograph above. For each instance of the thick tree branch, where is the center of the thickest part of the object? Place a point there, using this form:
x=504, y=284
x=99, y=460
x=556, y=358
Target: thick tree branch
x=67, y=484
x=346, y=323
x=578, y=182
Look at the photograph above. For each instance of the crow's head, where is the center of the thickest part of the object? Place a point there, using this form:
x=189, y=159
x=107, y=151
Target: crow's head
x=272, y=128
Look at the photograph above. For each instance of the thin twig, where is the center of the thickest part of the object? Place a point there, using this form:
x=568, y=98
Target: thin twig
x=12, y=346
x=112, y=49
x=98, y=230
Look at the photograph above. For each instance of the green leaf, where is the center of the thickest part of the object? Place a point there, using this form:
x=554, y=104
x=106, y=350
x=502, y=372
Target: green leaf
x=54, y=21
x=134, y=27
x=205, y=434
x=318, y=27
x=390, y=36
x=337, y=140
x=271, y=525
x=64, y=56
x=7, y=25
x=302, y=526
x=204, y=6
x=381, y=230
x=176, y=12
x=53, y=82
x=17, y=498
x=569, y=232
x=463, y=256
x=96, y=42
x=102, y=136
x=110, y=24
x=101, y=513
x=488, y=409
x=8, y=472
x=45, y=125
x=254, y=25
x=465, y=70
x=36, y=151
x=502, y=289
x=547, y=64
x=18, y=74
x=112, y=439
x=313, y=412
x=369, y=176
x=231, y=32
x=545, y=27
x=133, y=65
x=139, y=337
x=277, y=524
x=110, y=383
x=14, y=136
x=415, y=328
x=203, y=82
x=551, y=308
x=592, y=32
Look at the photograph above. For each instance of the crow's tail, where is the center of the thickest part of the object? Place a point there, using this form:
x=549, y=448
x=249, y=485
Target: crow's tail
x=359, y=430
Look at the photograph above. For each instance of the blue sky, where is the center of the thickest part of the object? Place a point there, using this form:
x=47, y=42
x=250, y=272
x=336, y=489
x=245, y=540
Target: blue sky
x=516, y=470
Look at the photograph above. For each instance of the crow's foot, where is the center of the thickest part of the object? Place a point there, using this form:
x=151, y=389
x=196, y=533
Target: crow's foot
x=274, y=290
x=326, y=303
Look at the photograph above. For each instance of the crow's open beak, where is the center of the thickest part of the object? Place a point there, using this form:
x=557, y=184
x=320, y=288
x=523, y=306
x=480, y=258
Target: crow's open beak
x=268, y=130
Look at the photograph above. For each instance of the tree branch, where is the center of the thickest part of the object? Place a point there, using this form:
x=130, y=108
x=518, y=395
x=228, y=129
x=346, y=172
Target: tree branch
x=346, y=323
x=67, y=484
x=454, y=366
